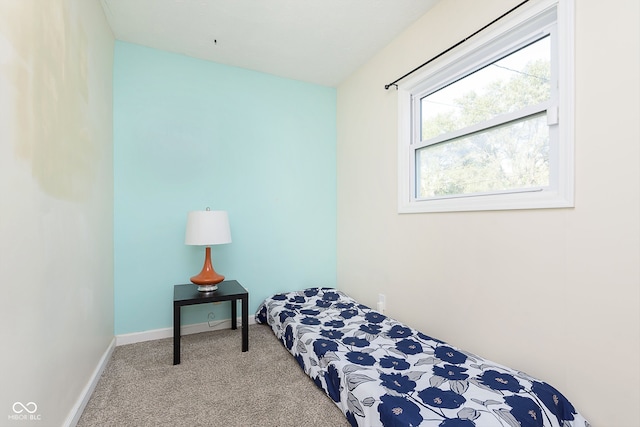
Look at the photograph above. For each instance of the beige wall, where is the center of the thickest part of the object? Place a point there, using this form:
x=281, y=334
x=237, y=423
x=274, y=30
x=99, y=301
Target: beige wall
x=56, y=198
x=552, y=292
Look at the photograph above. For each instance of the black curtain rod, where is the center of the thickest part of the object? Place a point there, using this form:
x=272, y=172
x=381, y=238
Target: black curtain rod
x=393, y=83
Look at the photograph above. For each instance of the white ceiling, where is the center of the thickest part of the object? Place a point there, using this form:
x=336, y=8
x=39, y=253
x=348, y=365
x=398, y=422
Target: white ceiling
x=317, y=41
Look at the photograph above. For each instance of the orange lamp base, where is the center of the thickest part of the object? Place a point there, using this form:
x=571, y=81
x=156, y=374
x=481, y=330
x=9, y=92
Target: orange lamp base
x=208, y=278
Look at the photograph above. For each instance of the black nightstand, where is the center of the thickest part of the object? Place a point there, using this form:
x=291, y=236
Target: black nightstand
x=229, y=290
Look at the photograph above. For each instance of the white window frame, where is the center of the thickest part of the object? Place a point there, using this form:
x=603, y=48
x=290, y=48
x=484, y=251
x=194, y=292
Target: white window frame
x=487, y=46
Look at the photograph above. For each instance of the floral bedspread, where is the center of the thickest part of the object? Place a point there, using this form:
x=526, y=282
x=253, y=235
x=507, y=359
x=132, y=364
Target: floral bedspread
x=383, y=373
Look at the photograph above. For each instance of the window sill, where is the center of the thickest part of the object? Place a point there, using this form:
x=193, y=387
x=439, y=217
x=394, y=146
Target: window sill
x=496, y=202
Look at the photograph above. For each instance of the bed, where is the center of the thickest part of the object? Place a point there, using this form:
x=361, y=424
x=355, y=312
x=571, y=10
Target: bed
x=381, y=372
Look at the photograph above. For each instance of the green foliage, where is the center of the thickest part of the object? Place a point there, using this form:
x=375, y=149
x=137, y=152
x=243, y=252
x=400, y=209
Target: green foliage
x=514, y=155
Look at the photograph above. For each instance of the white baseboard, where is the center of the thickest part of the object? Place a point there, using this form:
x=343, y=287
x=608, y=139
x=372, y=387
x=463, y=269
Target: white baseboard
x=195, y=328
x=85, y=395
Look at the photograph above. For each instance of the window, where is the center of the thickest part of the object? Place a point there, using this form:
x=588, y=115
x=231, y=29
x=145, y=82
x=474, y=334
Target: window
x=490, y=126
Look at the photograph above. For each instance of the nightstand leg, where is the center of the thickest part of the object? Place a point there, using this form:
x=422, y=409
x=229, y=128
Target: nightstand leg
x=245, y=323
x=176, y=334
x=234, y=314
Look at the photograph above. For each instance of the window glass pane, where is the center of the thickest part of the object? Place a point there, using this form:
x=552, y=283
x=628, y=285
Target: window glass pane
x=518, y=80
x=511, y=156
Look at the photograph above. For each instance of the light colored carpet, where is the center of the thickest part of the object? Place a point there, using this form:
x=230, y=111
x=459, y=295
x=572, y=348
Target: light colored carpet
x=216, y=384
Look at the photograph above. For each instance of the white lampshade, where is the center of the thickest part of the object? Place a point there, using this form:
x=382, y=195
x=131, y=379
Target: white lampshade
x=205, y=228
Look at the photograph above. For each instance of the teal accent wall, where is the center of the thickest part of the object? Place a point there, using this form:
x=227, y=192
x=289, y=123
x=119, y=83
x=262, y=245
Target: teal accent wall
x=191, y=134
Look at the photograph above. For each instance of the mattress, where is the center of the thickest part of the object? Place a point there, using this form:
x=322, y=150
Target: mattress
x=381, y=372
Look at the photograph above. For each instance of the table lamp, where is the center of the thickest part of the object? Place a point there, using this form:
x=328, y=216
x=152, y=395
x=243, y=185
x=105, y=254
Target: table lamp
x=207, y=228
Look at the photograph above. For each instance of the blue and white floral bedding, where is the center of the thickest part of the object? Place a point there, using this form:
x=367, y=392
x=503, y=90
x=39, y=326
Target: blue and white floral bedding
x=383, y=373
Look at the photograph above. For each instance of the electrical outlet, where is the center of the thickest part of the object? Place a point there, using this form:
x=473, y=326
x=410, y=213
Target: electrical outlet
x=382, y=303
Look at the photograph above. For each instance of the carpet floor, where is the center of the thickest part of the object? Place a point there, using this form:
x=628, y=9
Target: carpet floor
x=216, y=384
